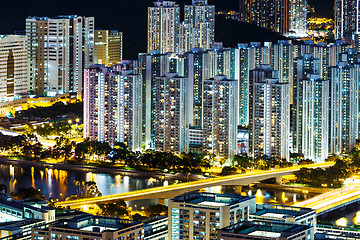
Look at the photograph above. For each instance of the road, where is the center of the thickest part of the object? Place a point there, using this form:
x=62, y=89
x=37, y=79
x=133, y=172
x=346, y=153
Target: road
x=170, y=191
x=332, y=199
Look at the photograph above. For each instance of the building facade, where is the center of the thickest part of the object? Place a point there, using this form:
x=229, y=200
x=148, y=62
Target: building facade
x=58, y=51
x=163, y=27
x=270, y=14
x=315, y=119
x=171, y=114
x=199, y=215
x=13, y=70
x=201, y=19
x=344, y=100
x=113, y=106
x=270, y=118
x=108, y=48
x=298, y=18
x=347, y=18
x=220, y=117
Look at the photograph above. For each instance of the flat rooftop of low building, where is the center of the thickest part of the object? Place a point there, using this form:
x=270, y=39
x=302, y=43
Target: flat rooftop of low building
x=91, y=223
x=14, y=225
x=265, y=229
x=279, y=211
x=18, y=205
x=211, y=199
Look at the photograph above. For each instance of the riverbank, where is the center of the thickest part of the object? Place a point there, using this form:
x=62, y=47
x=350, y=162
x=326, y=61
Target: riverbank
x=130, y=173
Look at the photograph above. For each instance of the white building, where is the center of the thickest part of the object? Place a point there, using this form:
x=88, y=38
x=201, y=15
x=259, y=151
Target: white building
x=298, y=18
x=13, y=70
x=347, y=18
x=315, y=118
x=270, y=120
x=344, y=102
x=220, y=117
x=163, y=27
x=113, y=106
x=201, y=18
x=58, y=50
x=171, y=113
x=199, y=215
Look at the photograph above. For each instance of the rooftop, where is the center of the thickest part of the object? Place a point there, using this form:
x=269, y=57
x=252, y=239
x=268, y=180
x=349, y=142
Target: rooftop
x=210, y=199
x=265, y=229
x=279, y=211
x=91, y=223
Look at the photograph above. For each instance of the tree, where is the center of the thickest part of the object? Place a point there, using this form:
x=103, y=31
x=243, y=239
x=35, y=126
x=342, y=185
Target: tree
x=157, y=209
x=138, y=217
x=243, y=161
x=28, y=193
x=228, y=171
x=115, y=209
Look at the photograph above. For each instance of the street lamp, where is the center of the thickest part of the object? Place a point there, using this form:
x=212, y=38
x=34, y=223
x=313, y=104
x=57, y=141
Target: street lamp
x=69, y=121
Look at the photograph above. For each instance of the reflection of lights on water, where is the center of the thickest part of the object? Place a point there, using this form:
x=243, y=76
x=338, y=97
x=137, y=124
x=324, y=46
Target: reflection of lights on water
x=90, y=177
x=117, y=179
x=357, y=218
x=342, y=222
x=294, y=198
x=166, y=183
x=283, y=197
x=11, y=169
x=151, y=180
x=33, y=178
x=42, y=174
x=259, y=193
x=126, y=179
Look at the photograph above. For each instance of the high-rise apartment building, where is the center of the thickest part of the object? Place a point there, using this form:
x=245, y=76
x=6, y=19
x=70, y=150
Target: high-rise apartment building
x=163, y=27
x=344, y=100
x=201, y=19
x=171, y=113
x=13, y=70
x=113, y=106
x=270, y=14
x=153, y=65
x=108, y=49
x=219, y=61
x=303, y=66
x=282, y=60
x=298, y=18
x=347, y=18
x=315, y=118
x=194, y=71
x=247, y=58
x=199, y=215
x=58, y=51
x=269, y=133
x=220, y=117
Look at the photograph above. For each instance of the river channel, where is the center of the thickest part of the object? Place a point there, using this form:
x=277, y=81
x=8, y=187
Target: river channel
x=59, y=184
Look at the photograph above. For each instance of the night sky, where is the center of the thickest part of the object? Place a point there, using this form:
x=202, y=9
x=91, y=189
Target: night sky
x=128, y=16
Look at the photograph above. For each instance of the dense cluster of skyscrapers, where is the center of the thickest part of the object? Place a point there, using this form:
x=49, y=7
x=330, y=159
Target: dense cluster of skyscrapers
x=188, y=92
x=292, y=98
